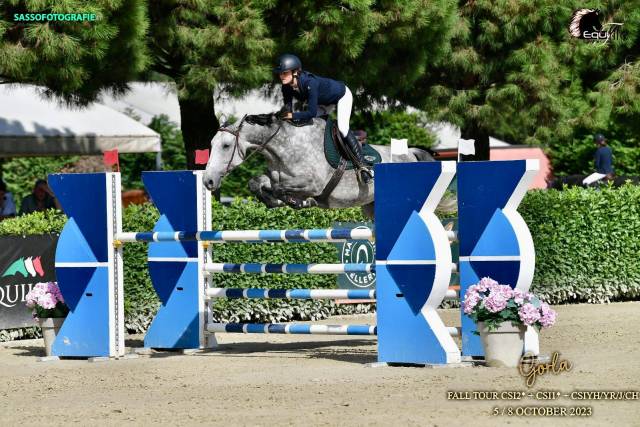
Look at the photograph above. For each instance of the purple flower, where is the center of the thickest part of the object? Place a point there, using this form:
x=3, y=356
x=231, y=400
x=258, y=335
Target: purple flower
x=495, y=302
x=485, y=283
x=518, y=296
x=48, y=301
x=548, y=317
x=44, y=295
x=503, y=290
x=470, y=301
x=529, y=314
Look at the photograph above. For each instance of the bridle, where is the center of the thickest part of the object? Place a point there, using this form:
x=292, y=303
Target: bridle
x=236, y=145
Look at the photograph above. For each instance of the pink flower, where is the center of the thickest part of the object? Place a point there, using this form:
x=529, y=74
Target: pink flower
x=470, y=301
x=548, y=317
x=44, y=295
x=518, y=296
x=503, y=290
x=529, y=314
x=47, y=301
x=495, y=302
x=485, y=283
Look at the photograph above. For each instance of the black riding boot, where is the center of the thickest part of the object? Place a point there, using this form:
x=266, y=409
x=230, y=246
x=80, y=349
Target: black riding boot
x=365, y=174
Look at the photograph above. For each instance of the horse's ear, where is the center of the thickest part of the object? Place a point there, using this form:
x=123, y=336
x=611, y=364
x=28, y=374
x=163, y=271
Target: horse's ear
x=223, y=120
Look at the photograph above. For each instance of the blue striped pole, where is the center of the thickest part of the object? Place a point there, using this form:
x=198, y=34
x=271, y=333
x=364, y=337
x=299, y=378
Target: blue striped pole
x=237, y=293
x=349, y=294
x=291, y=328
x=252, y=236
x=258, y=268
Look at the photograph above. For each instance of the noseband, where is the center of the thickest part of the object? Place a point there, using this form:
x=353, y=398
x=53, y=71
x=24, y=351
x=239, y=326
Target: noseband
x=236, y=145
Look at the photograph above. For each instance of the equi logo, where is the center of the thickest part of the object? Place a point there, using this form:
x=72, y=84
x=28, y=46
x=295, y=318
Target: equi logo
x=30, y=266
x=586, y=24
x=10, y=295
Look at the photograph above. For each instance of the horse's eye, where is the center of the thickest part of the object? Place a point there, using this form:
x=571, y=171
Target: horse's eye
x=226, y=146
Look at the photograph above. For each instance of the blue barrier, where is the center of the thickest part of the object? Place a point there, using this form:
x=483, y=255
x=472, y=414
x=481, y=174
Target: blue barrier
x=413, y=259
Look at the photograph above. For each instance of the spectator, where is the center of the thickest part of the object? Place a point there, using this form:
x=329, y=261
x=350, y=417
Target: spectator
x=7, y=205
x=603, y=161
x=40, y=199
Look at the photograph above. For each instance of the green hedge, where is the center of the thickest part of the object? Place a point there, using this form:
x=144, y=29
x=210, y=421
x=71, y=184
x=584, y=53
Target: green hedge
x=140, y=299
x=587, y=243
x=587, y=249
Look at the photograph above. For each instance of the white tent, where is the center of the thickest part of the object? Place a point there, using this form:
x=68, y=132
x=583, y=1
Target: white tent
x=448, y=135
x=147, y=100
x=33, y=126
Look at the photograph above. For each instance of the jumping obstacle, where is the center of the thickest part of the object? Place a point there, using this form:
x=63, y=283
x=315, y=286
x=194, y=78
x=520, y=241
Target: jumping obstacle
x=413, y=262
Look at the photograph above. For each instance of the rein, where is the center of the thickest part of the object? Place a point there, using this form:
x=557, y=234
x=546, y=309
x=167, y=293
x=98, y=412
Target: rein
x=236, y=146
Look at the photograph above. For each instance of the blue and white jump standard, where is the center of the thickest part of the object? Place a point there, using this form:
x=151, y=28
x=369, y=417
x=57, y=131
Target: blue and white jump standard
x=413, y=261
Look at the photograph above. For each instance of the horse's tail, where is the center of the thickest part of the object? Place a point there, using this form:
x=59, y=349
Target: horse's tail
x=422, y=155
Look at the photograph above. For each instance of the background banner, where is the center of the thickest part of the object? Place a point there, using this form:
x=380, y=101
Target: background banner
x=24, y=261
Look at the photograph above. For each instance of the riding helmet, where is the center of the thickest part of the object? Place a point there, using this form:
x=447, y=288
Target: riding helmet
x=287, y=62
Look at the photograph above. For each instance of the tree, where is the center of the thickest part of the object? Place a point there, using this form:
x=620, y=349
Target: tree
x=379, y=48
x=514, y=70
x=74, y=60
x=206, y=44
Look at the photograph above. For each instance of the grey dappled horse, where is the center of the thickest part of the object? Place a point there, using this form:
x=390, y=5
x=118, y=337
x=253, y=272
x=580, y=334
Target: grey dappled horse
x=297, y=169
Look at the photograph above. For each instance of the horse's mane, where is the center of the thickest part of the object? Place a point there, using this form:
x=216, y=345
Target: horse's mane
x=270, y=118
x=261, y=119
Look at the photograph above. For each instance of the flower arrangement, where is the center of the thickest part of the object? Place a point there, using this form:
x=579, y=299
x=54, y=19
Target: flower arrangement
x=492, y=303
x=46, y=301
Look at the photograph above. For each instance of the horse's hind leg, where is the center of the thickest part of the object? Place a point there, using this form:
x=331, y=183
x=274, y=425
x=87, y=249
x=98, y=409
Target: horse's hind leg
x=260, y=186
x=367, y=210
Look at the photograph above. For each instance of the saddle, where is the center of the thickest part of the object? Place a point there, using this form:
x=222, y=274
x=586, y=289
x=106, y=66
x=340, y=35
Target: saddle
x=335, y=150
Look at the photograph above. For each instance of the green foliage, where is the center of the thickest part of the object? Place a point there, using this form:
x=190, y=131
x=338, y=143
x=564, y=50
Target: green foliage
x=20, y=173
x=380, y=47
x=49, y=221
x=586, y=241
x=514, y=71
x=60, y=310
x=140, y=300
x=576, y=156
x=383, y=125
x=493, y=321
x=208, y=45
x=74, y=60
x=203, y=44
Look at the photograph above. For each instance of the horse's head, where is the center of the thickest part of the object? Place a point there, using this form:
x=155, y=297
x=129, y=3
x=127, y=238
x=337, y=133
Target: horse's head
x=224, y=156
x=230, y=146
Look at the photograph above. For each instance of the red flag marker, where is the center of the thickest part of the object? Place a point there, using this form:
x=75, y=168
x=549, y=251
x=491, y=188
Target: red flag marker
x=202, y=157
x=110, y=158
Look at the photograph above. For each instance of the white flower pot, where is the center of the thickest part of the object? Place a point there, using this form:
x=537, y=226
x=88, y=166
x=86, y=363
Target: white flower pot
x=50, y=327
x=504, y=346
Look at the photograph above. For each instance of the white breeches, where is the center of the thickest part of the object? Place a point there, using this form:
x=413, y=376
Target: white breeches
x=344, y=111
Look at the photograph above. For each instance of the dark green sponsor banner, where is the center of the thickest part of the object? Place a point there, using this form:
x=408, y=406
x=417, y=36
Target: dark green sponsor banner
x=24, y=261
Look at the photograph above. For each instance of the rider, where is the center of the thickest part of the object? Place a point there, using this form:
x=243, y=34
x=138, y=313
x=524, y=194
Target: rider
x=321, y=95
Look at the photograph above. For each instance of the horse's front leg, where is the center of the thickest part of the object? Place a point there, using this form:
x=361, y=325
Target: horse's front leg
x=300, y=186
x=260, y=186
x=297, y=191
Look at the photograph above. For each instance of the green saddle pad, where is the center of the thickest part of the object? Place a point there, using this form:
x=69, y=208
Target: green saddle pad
x=333, y=156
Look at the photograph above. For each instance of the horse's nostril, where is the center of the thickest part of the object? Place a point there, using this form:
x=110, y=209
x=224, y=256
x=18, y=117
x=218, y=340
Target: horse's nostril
x=210, y=183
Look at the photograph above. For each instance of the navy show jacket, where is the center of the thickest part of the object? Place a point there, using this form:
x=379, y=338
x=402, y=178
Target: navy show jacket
x=316, y=91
